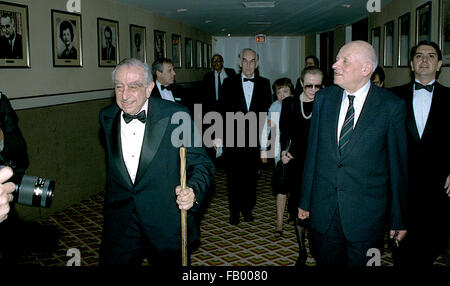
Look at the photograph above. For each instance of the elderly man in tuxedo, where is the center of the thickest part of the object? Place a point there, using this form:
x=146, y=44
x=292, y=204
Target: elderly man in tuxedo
x=244, y=96
x=428, y=125
x=355, y=173
x=143, y=197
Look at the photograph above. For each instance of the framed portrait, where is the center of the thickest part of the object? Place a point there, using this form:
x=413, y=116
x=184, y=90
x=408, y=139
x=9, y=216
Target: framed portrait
x=14, y=36
x=404, y=31
x=176, y=50
x=66, y=39
x=160, y=45
x=108, y=42
x=209, y=55
x=375, y=38
x=444, y=33
x=388, y=59
x=198, y=54
x=205, y=55
x=423, y=22
x=138, y=43
x=188, y=54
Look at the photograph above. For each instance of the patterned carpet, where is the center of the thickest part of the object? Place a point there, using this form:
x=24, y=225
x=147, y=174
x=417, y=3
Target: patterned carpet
x=222, y=244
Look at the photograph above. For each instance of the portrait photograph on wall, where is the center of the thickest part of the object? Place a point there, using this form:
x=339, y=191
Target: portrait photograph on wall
x=444, y=27
x=388, y=44
x=376, y=39
x=188, y=55
x=138, y=40
x=14, y=38
x=108, y=42
x=423, y=22
x=160, y=44
x=66, y=35
x=176, y=50
x=404, y=28
x=198, y=54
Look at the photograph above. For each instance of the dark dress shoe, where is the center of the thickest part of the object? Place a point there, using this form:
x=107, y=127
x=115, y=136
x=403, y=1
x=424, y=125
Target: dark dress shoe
x=249, y=218
x=234, y=221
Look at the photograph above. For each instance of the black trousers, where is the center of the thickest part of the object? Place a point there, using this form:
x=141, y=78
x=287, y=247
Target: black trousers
x=242, y=176
x=134, y=246
x=333, y=249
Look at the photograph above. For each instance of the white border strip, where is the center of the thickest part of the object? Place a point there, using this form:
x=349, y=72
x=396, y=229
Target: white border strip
x=51, y=100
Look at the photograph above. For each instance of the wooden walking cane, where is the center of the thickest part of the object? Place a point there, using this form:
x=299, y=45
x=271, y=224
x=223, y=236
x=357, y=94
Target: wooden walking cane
x=183, y=212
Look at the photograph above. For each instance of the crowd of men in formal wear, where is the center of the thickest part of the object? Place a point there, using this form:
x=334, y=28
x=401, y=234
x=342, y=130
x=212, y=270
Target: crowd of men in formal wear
x=373, y=160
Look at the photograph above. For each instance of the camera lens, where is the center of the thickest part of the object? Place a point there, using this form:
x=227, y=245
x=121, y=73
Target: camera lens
x=35, y=191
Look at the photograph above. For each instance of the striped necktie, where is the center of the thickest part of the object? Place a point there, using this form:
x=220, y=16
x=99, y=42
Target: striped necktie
x=347, y=127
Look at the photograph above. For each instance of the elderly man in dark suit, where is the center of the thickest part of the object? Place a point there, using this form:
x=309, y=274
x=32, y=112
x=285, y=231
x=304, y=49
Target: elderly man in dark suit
x=428, y=125
x=141, y=211
x=244, y=97
x=355, y=173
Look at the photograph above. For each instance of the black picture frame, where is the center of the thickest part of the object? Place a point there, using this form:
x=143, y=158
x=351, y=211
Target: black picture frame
x=176, y=50
x=188, y=53
x=16, y=17
x=108, y=42
x=375, y=38
x=404, y=40
x=66, y=39
x=160, y=50
x=388, y=54
x=444, y=31
x=138, y=42
x=424, y=22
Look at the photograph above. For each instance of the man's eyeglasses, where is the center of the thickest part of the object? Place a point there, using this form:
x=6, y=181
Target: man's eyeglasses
x=309, y=86
x=216, y=61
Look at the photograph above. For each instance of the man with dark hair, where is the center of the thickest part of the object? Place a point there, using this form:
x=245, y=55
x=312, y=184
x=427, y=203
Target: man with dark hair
x=109, y=51
x=143, y=197
x=244, y=96
x=11, y=41
x=428, y=214
x=165, y=86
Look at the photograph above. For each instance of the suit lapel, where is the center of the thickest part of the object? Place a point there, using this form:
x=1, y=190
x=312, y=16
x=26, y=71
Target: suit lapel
x=367, y=116
x=434, y=106
x=154, y=133
x=334, y=113
x=411, y=120
x=242, y=94
x=116, y=149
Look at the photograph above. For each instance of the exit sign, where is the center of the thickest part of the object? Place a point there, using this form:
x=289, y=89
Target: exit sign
x=260, y=38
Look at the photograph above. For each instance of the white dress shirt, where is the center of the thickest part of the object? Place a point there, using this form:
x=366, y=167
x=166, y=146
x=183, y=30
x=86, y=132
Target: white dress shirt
x=223, y=76
x=274, y=116
x=358, y=102
x=421, y=104
x=165, y=94
x=132, y=136
x=248, y=90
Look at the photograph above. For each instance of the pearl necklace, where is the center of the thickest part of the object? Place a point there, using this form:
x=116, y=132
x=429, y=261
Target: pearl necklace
x=301, y=107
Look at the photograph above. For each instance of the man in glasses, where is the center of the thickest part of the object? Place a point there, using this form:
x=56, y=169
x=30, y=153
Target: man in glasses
x=428, y=125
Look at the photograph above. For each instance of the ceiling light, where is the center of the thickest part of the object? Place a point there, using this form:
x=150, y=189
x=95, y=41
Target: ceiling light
x=229, y=35
x=181, y=10
x=208, y=21
x=259, y=4
x=346, y=5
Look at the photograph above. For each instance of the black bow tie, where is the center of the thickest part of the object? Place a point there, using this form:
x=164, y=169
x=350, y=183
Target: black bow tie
x=249, y=79
x=140, y=116
x=168, y=87
x=418, y=85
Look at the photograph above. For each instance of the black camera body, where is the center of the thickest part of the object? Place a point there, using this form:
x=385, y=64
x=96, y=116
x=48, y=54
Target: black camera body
x=32, y=191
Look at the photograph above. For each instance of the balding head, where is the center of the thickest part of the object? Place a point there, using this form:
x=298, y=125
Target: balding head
x=355, y=63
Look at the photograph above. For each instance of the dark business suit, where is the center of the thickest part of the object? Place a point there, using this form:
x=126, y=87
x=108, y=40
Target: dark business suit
x=242, y=162
x=109, y=56
x=178, y=94
x=365, y=188
x=151, y=199
x=429, y=156
x=11, y=52
x=209, y=101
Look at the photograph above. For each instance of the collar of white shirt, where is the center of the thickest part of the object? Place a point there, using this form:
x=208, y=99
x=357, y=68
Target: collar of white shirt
x=144, y=107
x=165, y=94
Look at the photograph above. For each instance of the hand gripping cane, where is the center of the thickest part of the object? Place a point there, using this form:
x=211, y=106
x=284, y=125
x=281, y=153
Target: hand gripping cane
x=183, y=212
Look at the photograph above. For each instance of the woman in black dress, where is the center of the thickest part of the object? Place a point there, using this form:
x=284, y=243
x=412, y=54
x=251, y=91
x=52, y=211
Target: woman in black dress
x=295, y=118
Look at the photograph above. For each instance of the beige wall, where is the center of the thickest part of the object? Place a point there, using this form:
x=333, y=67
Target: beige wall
x=63, y=139
x=43, y=79
x=392, y=11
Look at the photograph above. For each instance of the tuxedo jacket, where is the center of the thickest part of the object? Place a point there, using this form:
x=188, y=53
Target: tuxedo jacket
x=369, y=181
x=429, y=156
x=178, y=94
x=209, y=89
x=233, y=100
x=153, y=193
